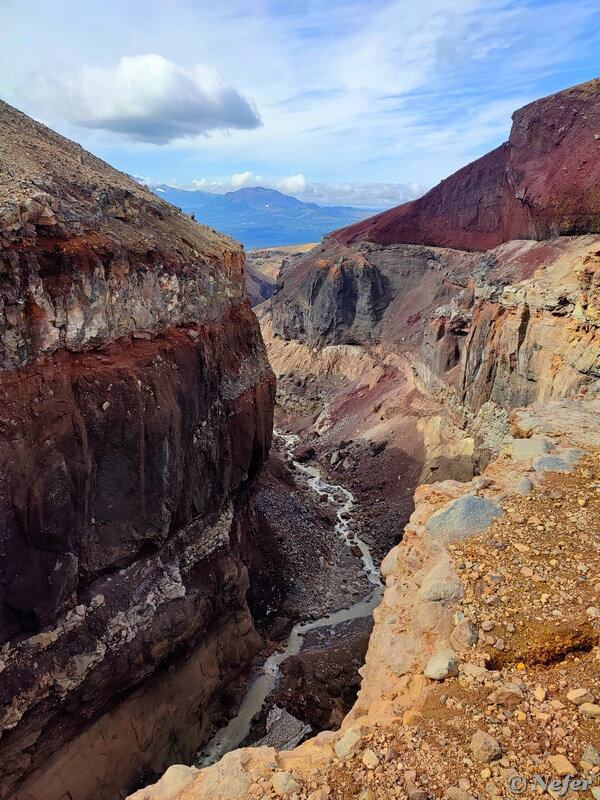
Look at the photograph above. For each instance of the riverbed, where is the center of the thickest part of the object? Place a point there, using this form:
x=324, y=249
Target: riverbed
x=231, y=736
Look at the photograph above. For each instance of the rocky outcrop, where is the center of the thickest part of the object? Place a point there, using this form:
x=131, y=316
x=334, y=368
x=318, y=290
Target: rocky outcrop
x=484, y=331
x=493, y=327
x=136, y=411
x=365, y=294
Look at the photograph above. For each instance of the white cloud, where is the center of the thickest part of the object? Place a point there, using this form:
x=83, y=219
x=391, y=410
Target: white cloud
x=146, y=98
x=202, y=185
x=240, y=179
x=293, y=184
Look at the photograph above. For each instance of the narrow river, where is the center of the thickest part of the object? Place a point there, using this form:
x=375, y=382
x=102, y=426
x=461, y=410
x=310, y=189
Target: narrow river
x=233, y=734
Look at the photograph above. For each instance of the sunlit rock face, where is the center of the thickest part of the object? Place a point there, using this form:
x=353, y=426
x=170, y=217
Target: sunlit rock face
x=543, y=182
x=488, y=282
x=135, y=414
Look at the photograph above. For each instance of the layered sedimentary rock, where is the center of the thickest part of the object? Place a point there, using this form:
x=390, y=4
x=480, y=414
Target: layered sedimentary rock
x=487, y=284
x=135, y=414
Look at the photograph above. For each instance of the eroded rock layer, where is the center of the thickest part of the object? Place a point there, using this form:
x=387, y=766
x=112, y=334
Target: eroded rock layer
x=493, y=310
x=136, y=411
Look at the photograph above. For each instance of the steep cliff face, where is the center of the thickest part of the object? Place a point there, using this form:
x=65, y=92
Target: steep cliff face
x=136, y=411
x=507, y=326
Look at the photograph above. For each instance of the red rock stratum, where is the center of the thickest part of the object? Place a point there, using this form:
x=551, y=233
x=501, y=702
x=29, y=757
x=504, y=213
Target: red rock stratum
x=544, y=181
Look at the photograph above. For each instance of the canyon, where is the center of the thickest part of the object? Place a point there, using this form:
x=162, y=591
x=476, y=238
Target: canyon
x=433, y=376
x=441, y=361
x=136, y=414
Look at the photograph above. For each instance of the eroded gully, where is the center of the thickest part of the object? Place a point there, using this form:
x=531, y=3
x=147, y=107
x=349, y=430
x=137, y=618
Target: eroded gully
x=231, y=736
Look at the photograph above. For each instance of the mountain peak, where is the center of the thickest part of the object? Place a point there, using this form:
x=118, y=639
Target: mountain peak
x=542, y=182
x=262, y=217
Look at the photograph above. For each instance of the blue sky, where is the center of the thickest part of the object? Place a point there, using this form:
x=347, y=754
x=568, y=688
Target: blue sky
x=346, y=101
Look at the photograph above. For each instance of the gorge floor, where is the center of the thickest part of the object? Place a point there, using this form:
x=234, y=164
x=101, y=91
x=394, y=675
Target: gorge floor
x=332, y=632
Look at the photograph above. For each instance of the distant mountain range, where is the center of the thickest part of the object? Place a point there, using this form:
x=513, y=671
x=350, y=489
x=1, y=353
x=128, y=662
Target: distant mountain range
x=260, y=217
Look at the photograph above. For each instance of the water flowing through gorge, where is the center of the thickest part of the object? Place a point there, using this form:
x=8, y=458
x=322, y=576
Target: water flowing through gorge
x=235, y=732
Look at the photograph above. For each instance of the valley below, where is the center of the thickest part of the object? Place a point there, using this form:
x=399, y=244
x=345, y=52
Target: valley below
x=261, y=690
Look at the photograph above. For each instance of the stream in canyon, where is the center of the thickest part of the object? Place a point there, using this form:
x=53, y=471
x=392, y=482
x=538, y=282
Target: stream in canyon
x=236, y=731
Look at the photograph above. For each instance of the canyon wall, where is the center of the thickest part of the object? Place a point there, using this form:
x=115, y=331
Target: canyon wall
x=135, y=413
x=487, y=284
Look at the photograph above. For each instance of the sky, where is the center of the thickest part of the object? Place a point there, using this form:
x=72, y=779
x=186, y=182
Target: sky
x=353, y=102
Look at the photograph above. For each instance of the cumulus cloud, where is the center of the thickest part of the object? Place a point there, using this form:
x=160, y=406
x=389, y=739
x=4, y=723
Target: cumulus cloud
x=240, y=179
x=147, y=98
x=293, y=184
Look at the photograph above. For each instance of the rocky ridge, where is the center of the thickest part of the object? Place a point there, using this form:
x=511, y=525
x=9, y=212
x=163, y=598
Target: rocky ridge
x=135, y=414
x=543, y=182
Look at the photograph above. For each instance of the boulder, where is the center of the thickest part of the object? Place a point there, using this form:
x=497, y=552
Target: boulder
x=580, y=696
x=390, y=562
x=414, y=793
x=523, y=486
x=508, y=696
x=284, y=784
x=349, y=743
x=462, y=518
x=369, y=759
x=561, y=765
x=525, y=449
x=551, y=464
x=455, y=793
x=590, y=710
x=484, y=747
x=442, y=665
x=440, y=585
x=464, y=635
x=175, y=779
x=591, y=755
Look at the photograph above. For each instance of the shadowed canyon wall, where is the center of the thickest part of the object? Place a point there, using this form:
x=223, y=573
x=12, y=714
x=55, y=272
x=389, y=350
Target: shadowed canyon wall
x=135, y=414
